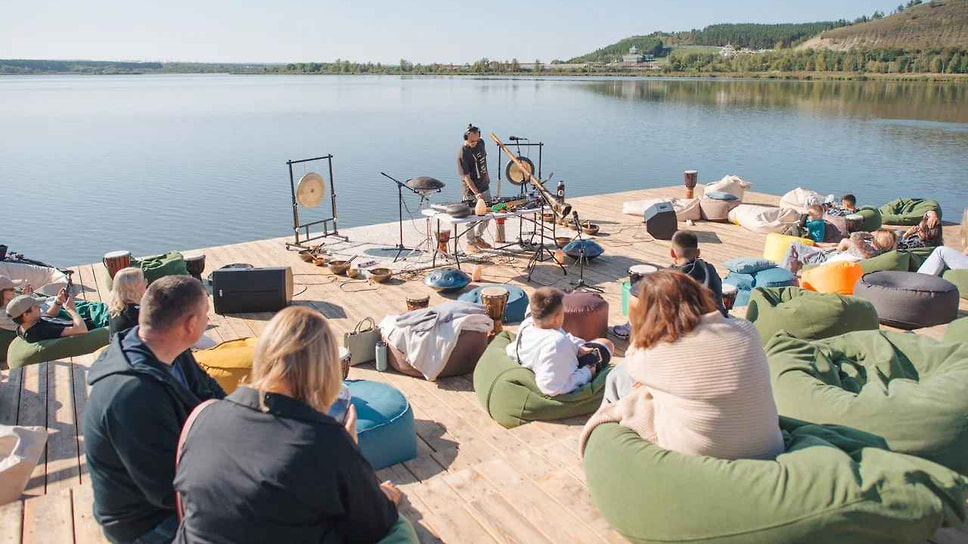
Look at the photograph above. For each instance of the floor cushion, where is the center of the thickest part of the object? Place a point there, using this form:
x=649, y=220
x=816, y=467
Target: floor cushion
x=960, y=279
x=957, y=331
x=871, y=218
x=720, y=195
x=154, y=267
x=468, y=350
x=777, y=244
x=832, y=485
x=909, y=300
x=741, y=281
x=20, y=449
x=837, y=277
x=891, y=260
x=907, y=211
x=510, y=395
x=229, y=362
x=763, y=219
x=808, y=315
x=800, y=199
x=733, y=185
x=384, y=423
x=716, y=210
x=5, y=338
x=592, y=249
x=748, y=265
x=907, y=389
x=586, y=315
x=774, y=277
x=517, y=301
x=21, y=353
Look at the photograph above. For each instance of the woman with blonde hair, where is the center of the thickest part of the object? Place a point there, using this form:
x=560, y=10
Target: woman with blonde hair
x=268, y=465
x=948, y=258
x=124, y=303
x=701, y=384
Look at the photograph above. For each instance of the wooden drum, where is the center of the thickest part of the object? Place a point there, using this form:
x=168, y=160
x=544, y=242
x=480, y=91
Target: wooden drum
x=195, y=265
x=344, y=361
x=638, y=271
x=495, y=301
x=443, y=238
x=729, y=295
x=690, y=178
x=417, y=303
x=115, y=261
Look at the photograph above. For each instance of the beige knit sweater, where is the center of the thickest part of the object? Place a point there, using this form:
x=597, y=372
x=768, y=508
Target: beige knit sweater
x=706, y=394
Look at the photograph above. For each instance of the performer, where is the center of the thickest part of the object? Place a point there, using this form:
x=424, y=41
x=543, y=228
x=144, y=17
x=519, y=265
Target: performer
x=472, y=169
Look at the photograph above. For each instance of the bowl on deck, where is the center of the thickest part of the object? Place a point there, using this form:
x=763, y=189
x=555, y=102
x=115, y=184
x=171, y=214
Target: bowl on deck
x=320, y=260
x=562, y=241
x=548, y=217
x=339, y=267
x=380, y=275
x=306, y=255
x=590, y=228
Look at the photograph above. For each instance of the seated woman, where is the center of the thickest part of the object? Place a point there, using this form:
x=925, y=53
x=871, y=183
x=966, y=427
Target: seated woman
x=860, y=245
x=699, y=383
x=124, y=304
x=927, y=233
x=948, y=258
x=267, y=464
x=561, y=362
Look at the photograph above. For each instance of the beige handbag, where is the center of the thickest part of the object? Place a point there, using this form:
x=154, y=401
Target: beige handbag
x=361, y=343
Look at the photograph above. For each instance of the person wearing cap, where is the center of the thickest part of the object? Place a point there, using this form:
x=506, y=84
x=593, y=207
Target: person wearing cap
x=34, y=326
x=94, y=313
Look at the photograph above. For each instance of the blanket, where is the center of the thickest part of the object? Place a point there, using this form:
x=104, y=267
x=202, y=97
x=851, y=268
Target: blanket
x=763, y=219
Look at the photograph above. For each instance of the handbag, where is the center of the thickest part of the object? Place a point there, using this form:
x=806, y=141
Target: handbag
x=361, y=343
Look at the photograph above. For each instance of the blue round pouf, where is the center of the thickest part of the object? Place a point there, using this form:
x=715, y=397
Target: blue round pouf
x=384, y=423
x=517, y=301
x=447, y=279
x=592, y=249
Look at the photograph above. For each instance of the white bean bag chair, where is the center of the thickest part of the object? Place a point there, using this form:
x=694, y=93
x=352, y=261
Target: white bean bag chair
x=733, y=185
x=20, y=449
x=763, y=219
x=686, y=208
x=43, y=279
x=800, y=199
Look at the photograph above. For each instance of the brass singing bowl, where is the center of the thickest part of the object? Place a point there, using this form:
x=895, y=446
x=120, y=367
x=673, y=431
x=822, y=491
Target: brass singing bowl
x=590, y=228
x=562, y=241
x=339, y=267
x=380, y=275
x=320, y=260
x=354, y=273
x=306, y=255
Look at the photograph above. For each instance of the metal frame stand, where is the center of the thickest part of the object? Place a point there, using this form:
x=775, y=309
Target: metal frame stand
x=580, y=284
x=518, y=145
x=541, y=253
x=400, y=187
x=296, y=225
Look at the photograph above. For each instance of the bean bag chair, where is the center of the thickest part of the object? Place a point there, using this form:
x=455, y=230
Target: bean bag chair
x=468, y=350
x=871, y=219
x=957, y=331
x=763, y=219
x=800, y=199
x=447, y=279
x=5, y=338
x=21, y=353
x=907, y=389
x=777, y=244
x=592, y=249
x=831, y=485
x=229, y=362
x=384, y=423
x=517, y=301
x=715, y=209
x=808, y=315
x=733, y=185
x=839, y=277
x=686, y=208
x=907, y=211
x=891, y=260
x=586, y=315
x=154, y=267
x=774, y=277
x=909, y=300
x=20, y=449
x=836, y=229
x=402, y=532
x=510, y=395
x=960, y=280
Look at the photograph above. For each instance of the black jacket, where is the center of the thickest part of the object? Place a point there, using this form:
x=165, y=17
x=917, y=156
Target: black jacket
x=132, y=420
x=290, y=474
x=706, y=274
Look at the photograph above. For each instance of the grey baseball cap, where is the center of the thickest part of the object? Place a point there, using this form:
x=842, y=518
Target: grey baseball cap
x=21, y=304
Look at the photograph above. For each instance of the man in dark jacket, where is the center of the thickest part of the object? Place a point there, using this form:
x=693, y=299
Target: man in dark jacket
x=142, y=390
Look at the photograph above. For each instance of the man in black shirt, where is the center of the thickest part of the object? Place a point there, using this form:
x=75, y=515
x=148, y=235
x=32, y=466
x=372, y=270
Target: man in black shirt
x=472, y=169
x=33, y=326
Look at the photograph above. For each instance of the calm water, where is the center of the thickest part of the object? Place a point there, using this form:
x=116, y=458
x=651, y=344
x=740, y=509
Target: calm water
x=147, y=163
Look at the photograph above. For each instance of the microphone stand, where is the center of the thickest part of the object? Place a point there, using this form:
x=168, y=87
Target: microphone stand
x=400, y=187
x=580, y=284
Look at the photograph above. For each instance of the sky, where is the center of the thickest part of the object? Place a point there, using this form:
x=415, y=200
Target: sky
x=370, y=30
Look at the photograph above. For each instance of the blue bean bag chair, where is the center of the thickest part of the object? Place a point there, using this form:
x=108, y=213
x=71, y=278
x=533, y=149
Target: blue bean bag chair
x=517, y=301
x=384, y=423
x=447, y=279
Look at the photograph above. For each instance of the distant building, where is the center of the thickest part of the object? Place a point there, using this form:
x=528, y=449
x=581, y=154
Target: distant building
x=635, y=59
x=727, y=52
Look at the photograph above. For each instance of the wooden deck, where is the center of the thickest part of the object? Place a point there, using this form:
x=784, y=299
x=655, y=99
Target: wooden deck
x=473, y=480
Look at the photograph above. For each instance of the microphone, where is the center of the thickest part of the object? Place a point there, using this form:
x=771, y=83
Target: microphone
x=516, y=139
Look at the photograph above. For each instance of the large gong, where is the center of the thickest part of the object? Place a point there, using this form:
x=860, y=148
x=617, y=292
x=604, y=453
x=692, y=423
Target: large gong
x=515, y=175
x=310, y=190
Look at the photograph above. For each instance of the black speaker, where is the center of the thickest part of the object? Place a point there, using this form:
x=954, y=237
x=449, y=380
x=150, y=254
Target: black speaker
x=240, y=290
x=660, y=221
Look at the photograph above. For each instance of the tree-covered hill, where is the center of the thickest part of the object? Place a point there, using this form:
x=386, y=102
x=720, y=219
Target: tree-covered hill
x=647, y=45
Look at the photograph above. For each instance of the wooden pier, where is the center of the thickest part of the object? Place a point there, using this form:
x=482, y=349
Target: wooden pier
x=473, y=480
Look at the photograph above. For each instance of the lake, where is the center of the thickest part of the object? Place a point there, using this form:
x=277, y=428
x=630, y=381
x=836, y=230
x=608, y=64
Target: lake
x=90, y=164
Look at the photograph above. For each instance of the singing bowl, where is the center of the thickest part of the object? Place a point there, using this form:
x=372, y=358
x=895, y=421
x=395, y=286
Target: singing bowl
x=354, y=273
x=548, y=217
x=319, y=260
x=306, y=255
x=380, y=275
x=339, y=267
x=590, y=228
x=562, y=241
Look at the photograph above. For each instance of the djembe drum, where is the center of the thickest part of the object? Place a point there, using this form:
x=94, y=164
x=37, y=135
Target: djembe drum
x=854, y=222
x=638, y=271
x=115, y=261
x=495, y=301
x=344, y=361
x=729, y=295
x=417, y=303
x=442, y=239
x=690, y=178
x=195, y=265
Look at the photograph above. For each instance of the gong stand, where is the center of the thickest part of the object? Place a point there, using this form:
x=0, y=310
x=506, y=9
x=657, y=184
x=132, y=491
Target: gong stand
x=302, y=231
x=518, y=144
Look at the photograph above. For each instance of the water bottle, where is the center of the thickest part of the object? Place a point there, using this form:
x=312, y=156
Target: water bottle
x=341, y=406
x=560, y=192
x=381, y=356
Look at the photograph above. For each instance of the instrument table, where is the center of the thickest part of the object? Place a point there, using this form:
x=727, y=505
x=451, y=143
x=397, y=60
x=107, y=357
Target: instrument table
x=471, y=221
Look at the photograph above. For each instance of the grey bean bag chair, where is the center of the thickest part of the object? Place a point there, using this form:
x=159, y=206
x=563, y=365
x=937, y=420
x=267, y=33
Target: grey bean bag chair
x=909, y=300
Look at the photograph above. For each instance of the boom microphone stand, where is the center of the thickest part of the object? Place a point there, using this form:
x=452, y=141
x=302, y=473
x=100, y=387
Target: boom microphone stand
x=400, y=187
x=580, y=284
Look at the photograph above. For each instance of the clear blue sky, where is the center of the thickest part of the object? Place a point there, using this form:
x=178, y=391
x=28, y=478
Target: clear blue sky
x=377, y=30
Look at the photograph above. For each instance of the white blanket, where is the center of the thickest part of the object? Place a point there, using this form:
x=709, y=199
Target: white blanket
x=428, y=350
x=43, y=279
x=733, y=185
x=20, y=449
x=800, y=199
x=763, y=219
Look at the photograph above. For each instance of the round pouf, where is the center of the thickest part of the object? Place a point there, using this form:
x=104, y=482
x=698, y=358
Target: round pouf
x=591, y=247
x=517, y=301
x=714, y=209
x=447, y=279
x=586, y=315
x=384, y=423
x=909, y=300
x=808, y=315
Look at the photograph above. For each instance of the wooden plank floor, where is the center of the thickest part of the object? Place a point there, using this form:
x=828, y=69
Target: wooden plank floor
x=473, y=480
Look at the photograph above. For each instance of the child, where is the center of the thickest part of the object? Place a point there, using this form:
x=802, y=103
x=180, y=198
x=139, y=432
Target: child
x=811, y=225
x=561, y=362
x=848, y=206
x=126, y=292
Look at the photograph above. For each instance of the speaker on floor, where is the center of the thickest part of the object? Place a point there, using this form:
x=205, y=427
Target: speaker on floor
x=660, y=221
x=241, y=290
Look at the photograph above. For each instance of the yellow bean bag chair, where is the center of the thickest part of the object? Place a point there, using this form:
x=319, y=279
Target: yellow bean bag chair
x=837, y=277
x=777, y=244
x=229, y=362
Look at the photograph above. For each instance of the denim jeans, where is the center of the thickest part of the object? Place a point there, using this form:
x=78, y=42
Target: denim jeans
x=163, y=533
x=944, y=258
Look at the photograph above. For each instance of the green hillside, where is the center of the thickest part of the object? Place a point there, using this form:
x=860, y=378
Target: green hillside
x=647, y=45
x=755, y=36
x=932, y=25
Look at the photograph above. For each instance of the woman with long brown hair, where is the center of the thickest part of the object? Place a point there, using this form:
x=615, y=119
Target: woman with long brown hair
x=701, y=380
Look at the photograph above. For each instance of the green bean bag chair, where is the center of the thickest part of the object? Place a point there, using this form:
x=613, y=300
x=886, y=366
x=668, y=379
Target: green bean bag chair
x=21, y=353
x=872, y=218
x=511, y=396
x=957, y=331
x=831, y=485
x=907, y=211
x=401, y=533
x=891, y=260
x=960, y=279
x=905, y=388
x=806, y=314
x=5, y=338
x=155, y=267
